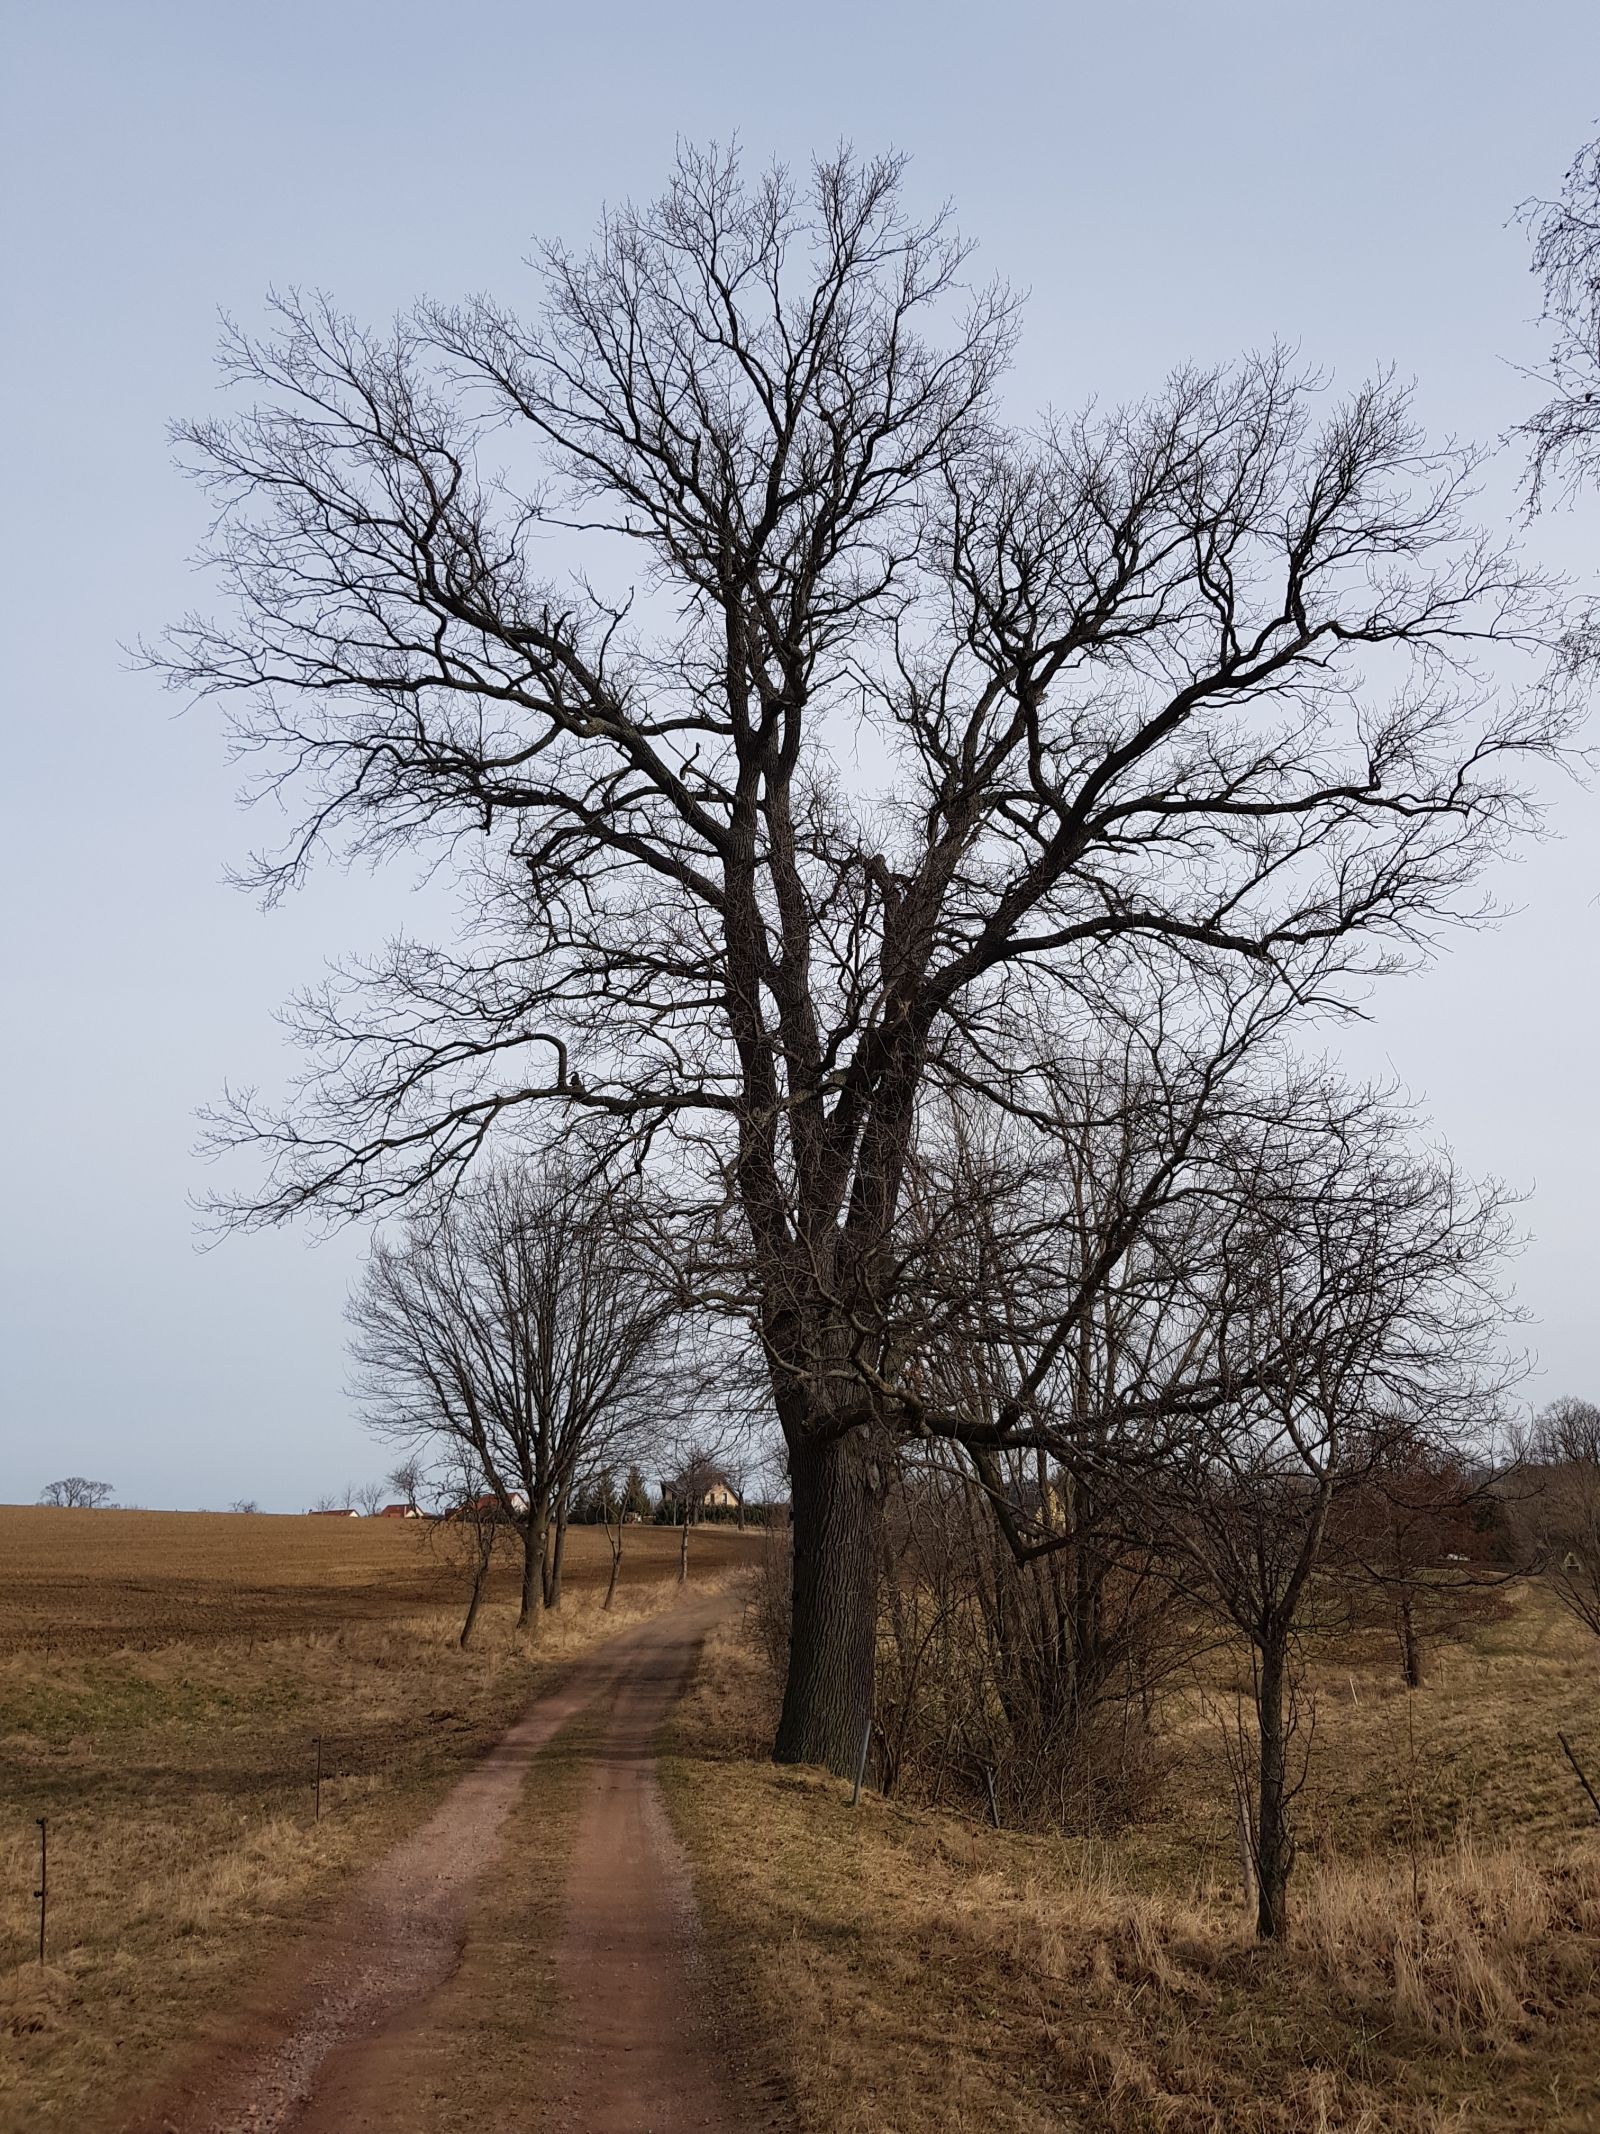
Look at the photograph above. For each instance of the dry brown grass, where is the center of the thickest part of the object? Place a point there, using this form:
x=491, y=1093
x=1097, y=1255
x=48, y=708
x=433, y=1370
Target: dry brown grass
x=474, y=2059
x=917, y=1973
x=175, y=1772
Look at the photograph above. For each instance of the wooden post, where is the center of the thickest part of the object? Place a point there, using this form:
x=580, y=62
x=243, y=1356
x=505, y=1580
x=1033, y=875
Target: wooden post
x=994, y=1798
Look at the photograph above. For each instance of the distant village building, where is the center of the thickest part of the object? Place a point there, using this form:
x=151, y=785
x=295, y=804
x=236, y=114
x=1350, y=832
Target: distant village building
x=399, y=1511
x=490, y=1506
x=701, y=1492
x=344, y=1512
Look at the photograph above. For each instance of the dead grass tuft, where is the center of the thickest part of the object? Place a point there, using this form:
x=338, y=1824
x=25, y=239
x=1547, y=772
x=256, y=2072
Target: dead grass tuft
x=34, y=1997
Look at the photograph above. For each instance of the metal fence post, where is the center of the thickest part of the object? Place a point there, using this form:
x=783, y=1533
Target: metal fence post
x=861, y=1762
x=994, y=1799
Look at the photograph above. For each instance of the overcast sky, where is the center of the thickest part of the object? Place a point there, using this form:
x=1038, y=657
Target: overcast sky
x=1169, y=181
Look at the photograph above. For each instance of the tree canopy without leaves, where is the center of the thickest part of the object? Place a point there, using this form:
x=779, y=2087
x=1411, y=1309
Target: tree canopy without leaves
x=1566, y=1506
x=524, y=1335
x=1564, y=434
x=1144, y=693
x=77, y=1493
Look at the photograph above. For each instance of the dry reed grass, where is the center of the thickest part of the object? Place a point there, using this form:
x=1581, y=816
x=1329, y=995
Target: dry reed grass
x=917, y=1973
x=176, y=1773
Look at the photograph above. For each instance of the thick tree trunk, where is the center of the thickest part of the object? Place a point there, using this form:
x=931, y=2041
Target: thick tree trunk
x=1274, y=1845
x=480, y=1574
x=533, y=1545
x=837, y=1510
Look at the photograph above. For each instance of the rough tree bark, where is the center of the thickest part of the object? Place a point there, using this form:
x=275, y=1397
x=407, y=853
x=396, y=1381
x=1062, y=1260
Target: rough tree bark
x=837, y=1494
x=1274, y=1838
x=534, y=1532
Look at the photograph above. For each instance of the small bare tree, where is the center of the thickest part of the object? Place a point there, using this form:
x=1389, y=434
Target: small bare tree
x=408, y=1480
x=526, y=1330
x=77, y=1493
x=1566, y=1507
x=1367, y=1277
x=1423, y=1540
x=368, y=1498
x=466, y=1528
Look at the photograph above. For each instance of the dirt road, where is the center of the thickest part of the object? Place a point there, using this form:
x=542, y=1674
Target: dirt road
x=633, y=2048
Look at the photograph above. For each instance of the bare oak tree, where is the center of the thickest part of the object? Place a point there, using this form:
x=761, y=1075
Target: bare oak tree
x=1181, y=682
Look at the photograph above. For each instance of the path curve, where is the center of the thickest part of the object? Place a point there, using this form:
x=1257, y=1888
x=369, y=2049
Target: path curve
x=322, y=2063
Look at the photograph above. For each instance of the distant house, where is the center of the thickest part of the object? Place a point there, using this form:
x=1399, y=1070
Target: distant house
x=489, y=1505
x=399, y=1511
x=345, y=1512
x=705, y=1491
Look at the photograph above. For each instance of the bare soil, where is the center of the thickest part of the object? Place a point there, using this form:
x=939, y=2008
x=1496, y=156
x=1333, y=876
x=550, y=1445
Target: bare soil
x=640, y=2045
x=326, y=2048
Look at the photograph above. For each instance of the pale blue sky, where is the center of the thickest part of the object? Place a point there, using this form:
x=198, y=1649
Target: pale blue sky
x=1170, y=181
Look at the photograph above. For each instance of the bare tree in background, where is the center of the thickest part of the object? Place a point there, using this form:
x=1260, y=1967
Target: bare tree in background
x=1183, y=682
x=1424, y=1539
x=467, y=1528
x=525, y=1330
x=368, y=1498
x=77, y=1493
x=409, y=1479
x=1566, y=1509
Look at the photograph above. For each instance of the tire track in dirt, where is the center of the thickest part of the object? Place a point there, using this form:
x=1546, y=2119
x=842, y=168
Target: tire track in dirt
x=638, y=2046
x=323, y=2053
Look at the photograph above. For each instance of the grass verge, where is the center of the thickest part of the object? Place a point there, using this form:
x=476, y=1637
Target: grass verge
x=913, y=1972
